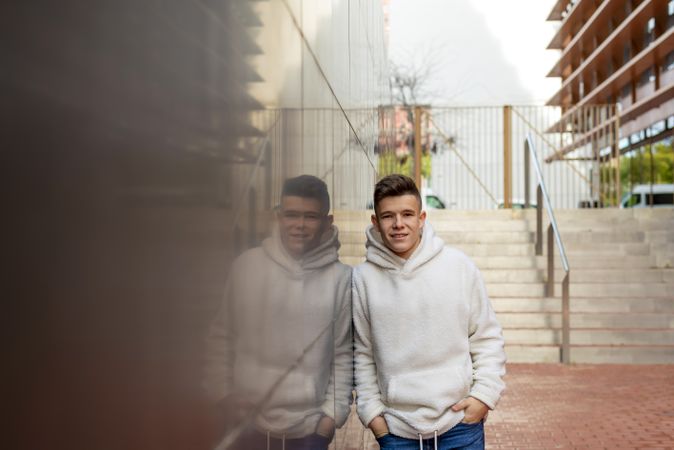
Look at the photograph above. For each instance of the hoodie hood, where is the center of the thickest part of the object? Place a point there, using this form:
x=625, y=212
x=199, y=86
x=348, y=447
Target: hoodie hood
x=323, y=255
x=377, y=253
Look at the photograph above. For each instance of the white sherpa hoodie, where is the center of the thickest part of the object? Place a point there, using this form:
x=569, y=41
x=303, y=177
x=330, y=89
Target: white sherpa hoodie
x=278, y=312
x=426, y=337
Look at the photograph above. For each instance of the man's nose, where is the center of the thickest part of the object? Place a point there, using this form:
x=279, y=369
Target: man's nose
x=399, y=221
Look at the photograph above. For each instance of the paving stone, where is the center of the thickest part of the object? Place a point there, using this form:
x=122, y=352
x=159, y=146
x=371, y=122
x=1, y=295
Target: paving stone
x=551, y=406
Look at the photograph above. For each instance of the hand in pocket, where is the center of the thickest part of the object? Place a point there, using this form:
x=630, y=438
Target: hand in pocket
x=474, y=410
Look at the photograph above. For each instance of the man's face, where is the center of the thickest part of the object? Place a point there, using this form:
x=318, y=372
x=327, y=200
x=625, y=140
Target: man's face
x=302, y=224
x=399, y=220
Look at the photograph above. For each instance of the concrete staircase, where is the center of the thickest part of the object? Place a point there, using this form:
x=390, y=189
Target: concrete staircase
x=622, y=279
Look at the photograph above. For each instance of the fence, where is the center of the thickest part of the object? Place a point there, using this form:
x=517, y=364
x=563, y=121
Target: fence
x=473, y=157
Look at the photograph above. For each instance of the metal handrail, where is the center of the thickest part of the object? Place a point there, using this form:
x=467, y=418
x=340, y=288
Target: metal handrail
x=251, y=178
x=553, y=235
x=249, y=184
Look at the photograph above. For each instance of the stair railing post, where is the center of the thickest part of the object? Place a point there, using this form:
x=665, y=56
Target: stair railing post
x=252, y=218
x=539, y=221
x=566, y=322
x=507, y=158
x=551, y=262
x=527, y=197
x=417, y=146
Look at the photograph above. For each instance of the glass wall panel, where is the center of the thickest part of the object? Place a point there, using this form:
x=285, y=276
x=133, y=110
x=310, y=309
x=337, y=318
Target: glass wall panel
x=164, y=291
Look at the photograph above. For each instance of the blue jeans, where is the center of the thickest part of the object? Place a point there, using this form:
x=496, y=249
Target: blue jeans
x=463, y=436
x=254, y=440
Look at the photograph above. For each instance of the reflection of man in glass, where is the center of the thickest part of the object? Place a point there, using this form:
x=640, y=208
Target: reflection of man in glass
x=279, y=359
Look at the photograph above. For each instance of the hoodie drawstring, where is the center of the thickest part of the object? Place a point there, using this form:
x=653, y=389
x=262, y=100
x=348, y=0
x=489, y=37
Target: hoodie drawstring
x=435, y=441
x=283, y=442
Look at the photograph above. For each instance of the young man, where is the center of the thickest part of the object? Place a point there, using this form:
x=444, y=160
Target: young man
x=279, y=354
x=428, y=350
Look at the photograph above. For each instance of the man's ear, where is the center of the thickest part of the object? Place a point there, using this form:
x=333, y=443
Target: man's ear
x=422, y=218
x=375, y=222
x=329, y=220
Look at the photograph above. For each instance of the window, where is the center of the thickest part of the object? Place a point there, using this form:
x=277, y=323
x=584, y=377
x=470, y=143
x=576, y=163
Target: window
x=669, y=62
x=631, y=200
x=662, y=199
x=434, y=202
x=646, y=77
x=626, y=91
x=657, y=128
x=637, y=137
x=627, y=52
x=649, y=35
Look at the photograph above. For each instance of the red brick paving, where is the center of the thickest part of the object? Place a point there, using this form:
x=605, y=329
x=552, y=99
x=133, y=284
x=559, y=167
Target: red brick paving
x=550, y=406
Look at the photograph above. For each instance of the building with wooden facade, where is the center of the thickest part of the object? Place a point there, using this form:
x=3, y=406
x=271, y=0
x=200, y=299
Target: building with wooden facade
x=617, y=93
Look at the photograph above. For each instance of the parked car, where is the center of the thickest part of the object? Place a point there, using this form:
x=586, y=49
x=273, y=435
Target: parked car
x=517, y=203
x=431, y=200
x=646, y=195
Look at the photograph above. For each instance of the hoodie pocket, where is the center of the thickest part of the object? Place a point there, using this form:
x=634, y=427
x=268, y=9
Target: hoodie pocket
x=294, y=389
x=428, y=394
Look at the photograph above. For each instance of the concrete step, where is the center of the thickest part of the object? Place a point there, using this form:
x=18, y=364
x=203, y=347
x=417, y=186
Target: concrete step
x=605, y=248
x=474, y=250
x=591, y=237
x=618, y=290
x=595, y=228
x=489, y=225
x=357, y=242
x=516, y=353
x=660, y=236
x=576, y=262
x=494, y=237
x=596, y=336
x=352, y=260
x=605, y=214
x=352, y=250
x=468, y=215
x=574, y=249
x=596, y=354
x=357, y=236
x=583, y=290
x=589, y=305
x=512, y=275
x=587, y=320
x=517, y=290
x=632, y=275
x=352, y=236
x=631, y=354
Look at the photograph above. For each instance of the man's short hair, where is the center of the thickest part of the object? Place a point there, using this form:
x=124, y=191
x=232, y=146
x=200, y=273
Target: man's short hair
x=308, y=186
x=395, y=185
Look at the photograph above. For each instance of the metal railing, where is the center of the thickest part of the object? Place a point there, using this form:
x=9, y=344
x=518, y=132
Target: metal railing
x=542, y=198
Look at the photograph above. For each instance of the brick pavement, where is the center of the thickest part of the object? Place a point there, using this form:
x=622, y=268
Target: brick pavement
x=550, y=406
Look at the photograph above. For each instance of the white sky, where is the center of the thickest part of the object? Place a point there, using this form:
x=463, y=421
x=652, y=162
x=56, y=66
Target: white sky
x=485, y=52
